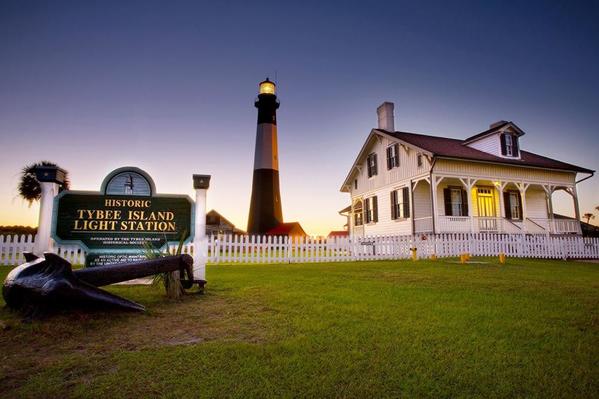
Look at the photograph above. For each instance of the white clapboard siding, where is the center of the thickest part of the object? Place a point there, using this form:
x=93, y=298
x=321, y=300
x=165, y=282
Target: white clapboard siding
x=266, y=249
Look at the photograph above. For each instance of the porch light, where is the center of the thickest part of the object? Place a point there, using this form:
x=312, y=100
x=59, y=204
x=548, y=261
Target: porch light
x=267, y=87
x=497, y=184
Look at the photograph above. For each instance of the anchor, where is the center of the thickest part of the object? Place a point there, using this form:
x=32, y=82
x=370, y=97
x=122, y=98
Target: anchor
x=49, y=282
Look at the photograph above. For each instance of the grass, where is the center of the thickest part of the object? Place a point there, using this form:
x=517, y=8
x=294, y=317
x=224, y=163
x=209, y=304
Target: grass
x=371, y=329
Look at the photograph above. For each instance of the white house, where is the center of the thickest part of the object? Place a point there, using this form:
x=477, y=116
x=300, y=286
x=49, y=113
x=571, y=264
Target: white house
x=406, y=183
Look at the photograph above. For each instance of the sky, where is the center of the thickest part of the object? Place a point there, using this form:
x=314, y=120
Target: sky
x=168, y=86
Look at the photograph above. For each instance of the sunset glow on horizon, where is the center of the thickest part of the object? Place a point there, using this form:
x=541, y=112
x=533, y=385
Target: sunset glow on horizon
x=164, y=88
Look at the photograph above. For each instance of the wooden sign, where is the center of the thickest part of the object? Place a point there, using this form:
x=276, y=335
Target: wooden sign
x=118, y=223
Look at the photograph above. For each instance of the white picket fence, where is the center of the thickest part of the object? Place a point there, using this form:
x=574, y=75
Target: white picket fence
x=268, y=249
x=12, y=248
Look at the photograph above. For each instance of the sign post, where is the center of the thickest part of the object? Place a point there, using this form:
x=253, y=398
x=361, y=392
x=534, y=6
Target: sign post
x=200, y=244
x=49, y=177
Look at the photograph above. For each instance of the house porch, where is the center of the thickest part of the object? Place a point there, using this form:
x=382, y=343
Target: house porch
x=465, y=204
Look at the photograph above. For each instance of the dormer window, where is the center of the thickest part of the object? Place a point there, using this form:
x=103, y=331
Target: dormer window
x=509, y=145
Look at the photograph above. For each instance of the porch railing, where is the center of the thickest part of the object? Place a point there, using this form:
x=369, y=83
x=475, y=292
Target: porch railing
x=559, y=226
x=423, y=225
x=496, y=224
x=487, y=224
x=454, y=224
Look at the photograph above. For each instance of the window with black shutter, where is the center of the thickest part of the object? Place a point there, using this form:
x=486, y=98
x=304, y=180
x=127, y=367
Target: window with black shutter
x=367, y=210
x=400, y=203
x=392, y=156
x=515, y=149
x=405, y=202
x=371, y=165
x=509, y=145
x=513, y=205
x=456, y=201
x=375, y=209
x=358, y=214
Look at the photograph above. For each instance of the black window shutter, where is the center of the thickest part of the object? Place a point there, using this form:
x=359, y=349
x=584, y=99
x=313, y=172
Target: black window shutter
x=520, y=205
x=507, y=204
x=406, y=202
x=388, y=158
x=393, y=215
x=367, y=210
x=396, y=154
x=447, y=200
x=515, y=145
x=375, y=209
x=464, y=202
x=503, y=145
x=375, y=171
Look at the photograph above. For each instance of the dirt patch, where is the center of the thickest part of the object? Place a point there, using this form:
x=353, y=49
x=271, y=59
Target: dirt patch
x=27, y=348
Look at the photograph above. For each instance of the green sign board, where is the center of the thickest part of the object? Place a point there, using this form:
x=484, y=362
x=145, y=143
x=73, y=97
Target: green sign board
x=116, y=224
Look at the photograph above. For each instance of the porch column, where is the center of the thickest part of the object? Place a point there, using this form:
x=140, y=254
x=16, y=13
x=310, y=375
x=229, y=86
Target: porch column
x=548, y=194
x=434, y=184
x=500, y=189
x=576, y=207
x=523, y=187
x=469, y=184
x=412, y=185
x=350, y=223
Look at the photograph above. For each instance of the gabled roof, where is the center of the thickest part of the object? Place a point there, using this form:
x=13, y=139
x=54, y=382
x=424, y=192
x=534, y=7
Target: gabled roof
x=371, y=137
x=345, y=210
x=443, y=147
x=453, y=148
x=494, y=129
x=287, y=229
x=215, y=215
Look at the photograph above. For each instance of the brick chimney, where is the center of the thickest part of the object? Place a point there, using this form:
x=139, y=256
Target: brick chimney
x=385, y=116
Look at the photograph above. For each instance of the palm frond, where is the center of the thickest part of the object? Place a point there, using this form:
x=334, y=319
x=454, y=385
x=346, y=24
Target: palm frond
x=29, y=187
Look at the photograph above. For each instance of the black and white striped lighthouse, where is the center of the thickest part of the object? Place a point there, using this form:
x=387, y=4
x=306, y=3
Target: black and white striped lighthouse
x=265, y=205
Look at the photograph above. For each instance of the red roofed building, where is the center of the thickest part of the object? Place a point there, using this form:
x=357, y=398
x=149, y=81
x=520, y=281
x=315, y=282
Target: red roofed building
x=291, y=229
x=339, y=233
x=409, y=183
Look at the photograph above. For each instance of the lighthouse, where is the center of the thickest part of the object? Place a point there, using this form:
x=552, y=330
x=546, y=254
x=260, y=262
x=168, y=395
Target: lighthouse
x=265, y=205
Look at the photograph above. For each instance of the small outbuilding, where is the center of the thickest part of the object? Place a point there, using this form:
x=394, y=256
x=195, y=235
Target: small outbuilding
x=291, y=229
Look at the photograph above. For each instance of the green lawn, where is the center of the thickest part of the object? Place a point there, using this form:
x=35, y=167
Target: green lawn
x=370, y=329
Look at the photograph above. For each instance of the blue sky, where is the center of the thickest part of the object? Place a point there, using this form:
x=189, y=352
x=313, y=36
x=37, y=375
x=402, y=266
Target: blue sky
x=169, y=87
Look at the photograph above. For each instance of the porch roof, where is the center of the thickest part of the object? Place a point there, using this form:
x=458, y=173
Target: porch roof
x=454, y=148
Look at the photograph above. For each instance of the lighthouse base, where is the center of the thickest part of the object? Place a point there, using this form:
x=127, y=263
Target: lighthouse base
x=265, y=205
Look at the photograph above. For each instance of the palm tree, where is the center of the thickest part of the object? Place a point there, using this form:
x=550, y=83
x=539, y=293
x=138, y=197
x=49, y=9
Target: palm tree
x=588, y=216
x=29, y=187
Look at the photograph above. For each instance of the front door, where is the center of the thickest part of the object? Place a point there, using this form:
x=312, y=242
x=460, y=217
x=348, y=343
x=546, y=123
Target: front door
x=485, y=202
